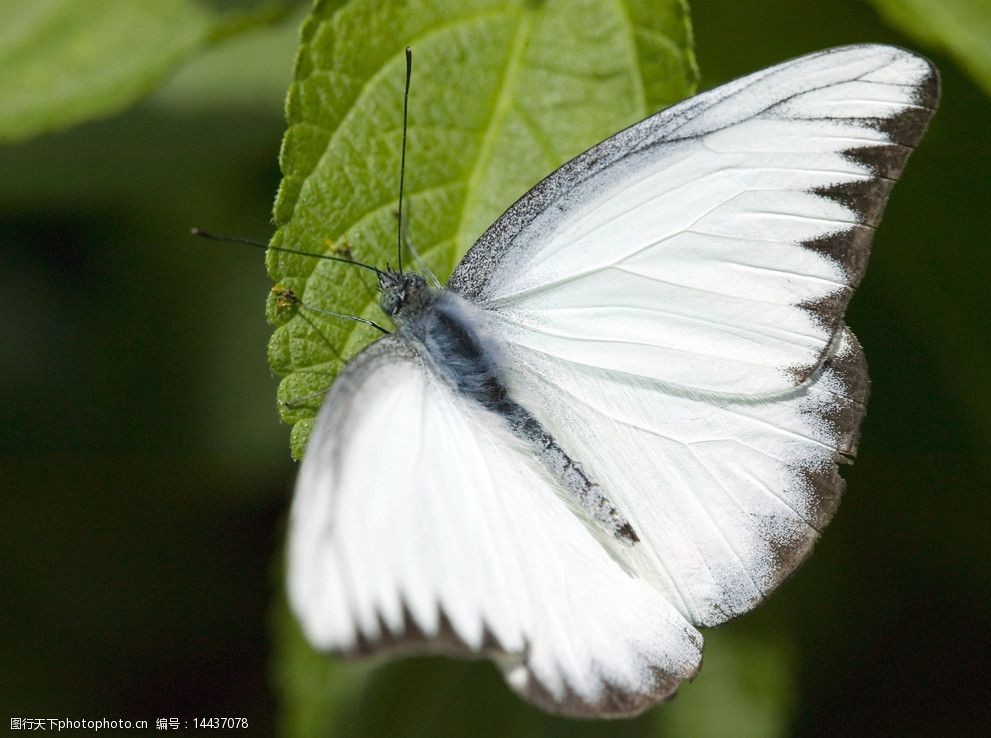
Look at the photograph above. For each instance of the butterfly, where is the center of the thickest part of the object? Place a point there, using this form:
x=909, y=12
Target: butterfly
x=622, y=418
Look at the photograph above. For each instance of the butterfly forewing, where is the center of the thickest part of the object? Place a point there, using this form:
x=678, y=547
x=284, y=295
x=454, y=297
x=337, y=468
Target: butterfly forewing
x=420, y=519
x=713, y=247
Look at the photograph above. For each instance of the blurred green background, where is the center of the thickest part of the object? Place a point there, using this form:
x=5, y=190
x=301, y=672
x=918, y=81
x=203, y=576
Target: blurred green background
x=146, y=476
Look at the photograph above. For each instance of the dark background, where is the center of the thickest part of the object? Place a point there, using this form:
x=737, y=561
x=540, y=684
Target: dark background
x=145, y=475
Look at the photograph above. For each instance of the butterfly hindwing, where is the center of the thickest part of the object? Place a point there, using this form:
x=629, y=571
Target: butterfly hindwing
x=419, y=519
x=726, y=495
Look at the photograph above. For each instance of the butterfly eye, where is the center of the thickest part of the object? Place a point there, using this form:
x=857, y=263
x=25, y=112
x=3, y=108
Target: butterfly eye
x=390, y=302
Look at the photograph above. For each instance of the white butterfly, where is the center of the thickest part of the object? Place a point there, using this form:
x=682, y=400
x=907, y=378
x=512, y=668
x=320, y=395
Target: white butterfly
x=622, y=417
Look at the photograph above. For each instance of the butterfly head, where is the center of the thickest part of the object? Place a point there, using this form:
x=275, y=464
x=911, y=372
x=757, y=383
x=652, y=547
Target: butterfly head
x=401, y=292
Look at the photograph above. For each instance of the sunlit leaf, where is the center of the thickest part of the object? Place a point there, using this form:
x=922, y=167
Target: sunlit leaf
x=503, y=92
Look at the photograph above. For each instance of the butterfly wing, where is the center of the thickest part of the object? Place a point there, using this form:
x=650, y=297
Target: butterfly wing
x=726, y=495
x=712, y=247
x=669, y=305
x=418, y=518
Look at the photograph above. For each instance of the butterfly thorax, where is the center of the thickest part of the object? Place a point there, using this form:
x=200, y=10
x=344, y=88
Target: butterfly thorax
x=440, y=323
x=443, y=326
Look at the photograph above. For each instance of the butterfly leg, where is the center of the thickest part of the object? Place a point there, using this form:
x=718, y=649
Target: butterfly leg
x=286, y=297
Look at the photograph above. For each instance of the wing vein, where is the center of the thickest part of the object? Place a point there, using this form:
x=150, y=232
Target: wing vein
x=739, y=469
x=715, y=524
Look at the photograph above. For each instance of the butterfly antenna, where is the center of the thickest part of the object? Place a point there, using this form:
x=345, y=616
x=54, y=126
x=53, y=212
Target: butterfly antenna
x=259, y=245
x=402, y=159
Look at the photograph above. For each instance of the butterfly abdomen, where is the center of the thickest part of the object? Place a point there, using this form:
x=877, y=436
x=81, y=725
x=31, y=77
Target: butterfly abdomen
x=461, y=354
x=567, y=471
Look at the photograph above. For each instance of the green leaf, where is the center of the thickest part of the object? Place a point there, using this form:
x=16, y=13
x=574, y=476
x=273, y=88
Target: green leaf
x=503, y=92
x=65, y=61
x=960, y=27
